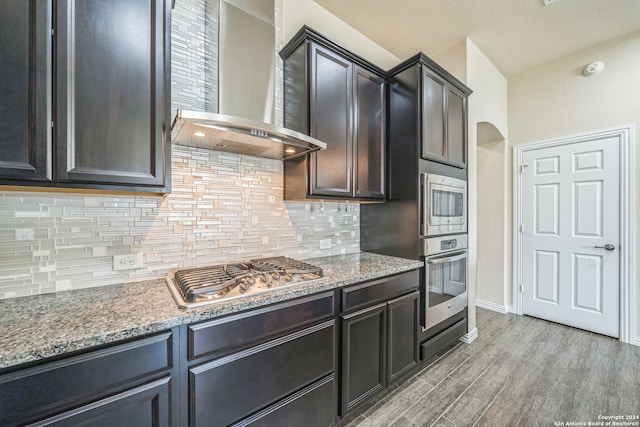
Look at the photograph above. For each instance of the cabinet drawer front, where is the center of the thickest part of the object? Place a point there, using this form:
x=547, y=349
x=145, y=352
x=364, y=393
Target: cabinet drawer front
x=233, y=333
x=35, y=392
x=310, y=407
x=147, y=405
x=231, y=388
x=369, y=293
x=444, y=340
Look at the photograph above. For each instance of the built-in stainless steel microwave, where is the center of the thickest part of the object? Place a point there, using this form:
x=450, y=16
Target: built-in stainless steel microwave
x=443, y=205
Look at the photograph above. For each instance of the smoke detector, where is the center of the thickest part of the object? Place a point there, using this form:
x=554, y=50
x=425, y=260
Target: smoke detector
x=548, y=2
x=593, y=68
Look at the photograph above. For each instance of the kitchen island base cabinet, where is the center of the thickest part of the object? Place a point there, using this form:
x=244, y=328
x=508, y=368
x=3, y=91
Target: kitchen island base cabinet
x=126, y=384
x=379, y=342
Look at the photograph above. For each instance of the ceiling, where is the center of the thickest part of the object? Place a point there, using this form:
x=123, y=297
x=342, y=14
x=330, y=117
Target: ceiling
x=515, y=35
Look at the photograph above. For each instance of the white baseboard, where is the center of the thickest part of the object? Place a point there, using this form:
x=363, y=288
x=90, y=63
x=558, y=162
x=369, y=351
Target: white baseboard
x=635, y=341
x=470, y=336
x=493, y=306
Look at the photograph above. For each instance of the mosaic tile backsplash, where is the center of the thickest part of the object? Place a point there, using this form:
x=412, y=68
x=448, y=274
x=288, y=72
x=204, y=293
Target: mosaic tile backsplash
x=223, y=207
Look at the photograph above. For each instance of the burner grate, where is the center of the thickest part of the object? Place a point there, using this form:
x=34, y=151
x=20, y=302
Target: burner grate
x=214, y=281
x=200, y=285
x=289, y=265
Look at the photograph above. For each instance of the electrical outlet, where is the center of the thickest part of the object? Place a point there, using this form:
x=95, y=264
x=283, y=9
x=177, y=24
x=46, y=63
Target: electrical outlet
x=325, y=244
x=24, y=234
x=127, y=262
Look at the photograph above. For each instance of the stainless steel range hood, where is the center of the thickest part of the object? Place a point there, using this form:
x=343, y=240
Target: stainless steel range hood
x=243, y=47
x=241, y=136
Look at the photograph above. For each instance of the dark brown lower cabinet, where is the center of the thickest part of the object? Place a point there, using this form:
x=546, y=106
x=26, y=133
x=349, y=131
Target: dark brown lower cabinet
x=363, y=355
x=379, y=343
x=403, y=331
x=226, y=390
x=127, y=384
x=146, y=405
x=274, y=365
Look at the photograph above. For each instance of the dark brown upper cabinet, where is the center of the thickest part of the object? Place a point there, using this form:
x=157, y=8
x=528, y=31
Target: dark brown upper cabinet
x=94, y=104
x=441, y=105
x=25, y=96
x=444, y=119
x=339, y=98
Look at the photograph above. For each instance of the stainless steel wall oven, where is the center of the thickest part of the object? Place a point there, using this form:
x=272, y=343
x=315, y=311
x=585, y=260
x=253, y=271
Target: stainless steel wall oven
x=445, y=284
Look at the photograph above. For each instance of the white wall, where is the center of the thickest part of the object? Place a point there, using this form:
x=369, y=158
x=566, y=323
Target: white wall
x=307, y=12
x=487, y=181
x=556, y=100
x=492, y=261
x=487, y=104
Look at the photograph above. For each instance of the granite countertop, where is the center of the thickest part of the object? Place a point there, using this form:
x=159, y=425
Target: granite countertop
x=33, y=328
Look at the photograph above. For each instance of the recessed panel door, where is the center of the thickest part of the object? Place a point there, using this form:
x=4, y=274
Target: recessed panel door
x=110, y=102
x=25, y=90
x=331, y=122
x=570, y=236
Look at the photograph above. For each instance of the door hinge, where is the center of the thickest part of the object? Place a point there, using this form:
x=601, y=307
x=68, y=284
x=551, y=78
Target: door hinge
x=53, y=32
x=522, y=229
x=53, y=124
x=520, y=288
x=523, y=167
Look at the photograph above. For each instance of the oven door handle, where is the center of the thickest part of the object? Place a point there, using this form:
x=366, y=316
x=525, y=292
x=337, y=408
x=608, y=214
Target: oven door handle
x=451, y=258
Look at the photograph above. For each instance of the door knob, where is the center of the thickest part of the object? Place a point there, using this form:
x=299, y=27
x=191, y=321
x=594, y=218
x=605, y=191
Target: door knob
x=607, y=247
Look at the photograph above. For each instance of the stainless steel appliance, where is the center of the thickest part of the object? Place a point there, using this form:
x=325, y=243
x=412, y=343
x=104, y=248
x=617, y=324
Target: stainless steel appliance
x=241, y=74
x=193, y=287
x=445, y=283
x=443, y=205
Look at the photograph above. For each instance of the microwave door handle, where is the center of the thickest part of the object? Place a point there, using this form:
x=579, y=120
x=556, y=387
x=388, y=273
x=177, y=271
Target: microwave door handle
x=452, y=258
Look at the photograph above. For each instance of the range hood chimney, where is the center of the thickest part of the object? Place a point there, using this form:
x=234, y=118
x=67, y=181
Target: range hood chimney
x=246, y=58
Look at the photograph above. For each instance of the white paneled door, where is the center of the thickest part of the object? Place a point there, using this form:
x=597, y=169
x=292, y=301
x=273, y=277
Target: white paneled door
x=571, y=233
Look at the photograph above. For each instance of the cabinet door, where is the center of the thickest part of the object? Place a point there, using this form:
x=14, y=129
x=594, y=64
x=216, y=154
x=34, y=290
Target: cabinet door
x=456, y=127
x=402, y=352
x=433, y=117
x=363, y=355
x=331, y=122
x=25, y=95
x=111, y=103
x=370, y=115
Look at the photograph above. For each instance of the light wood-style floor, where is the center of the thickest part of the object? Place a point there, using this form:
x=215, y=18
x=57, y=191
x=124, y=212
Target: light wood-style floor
x=520, y=371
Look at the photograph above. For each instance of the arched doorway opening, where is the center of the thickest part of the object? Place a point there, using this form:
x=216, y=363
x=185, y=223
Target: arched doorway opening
x=493, y=247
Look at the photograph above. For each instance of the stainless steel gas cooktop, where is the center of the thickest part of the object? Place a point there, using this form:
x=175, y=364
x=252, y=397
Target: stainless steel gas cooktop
x=194, y=287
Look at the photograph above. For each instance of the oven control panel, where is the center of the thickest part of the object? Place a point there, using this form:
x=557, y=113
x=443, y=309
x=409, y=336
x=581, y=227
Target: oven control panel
x=440, y=244
x=447, y=245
